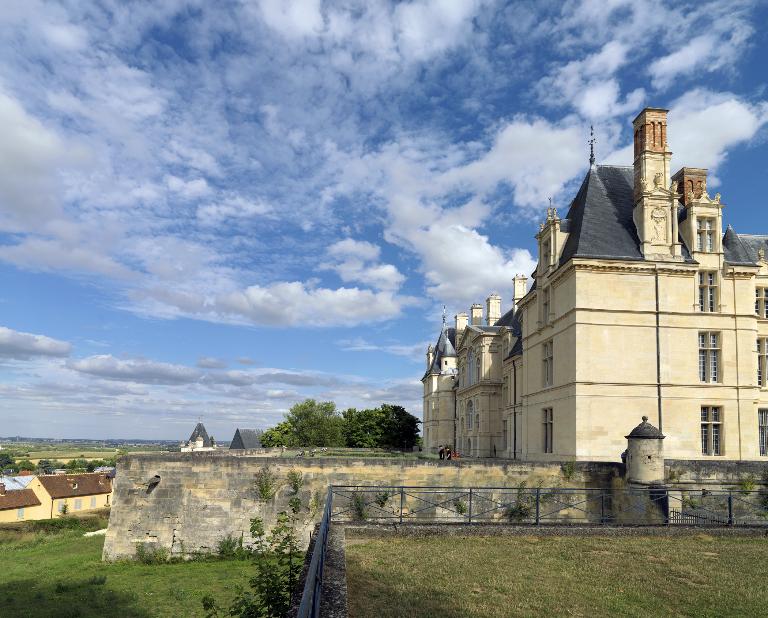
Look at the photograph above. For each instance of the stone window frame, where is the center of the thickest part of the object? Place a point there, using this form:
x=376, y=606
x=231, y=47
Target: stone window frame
x=20, y=513
x=710, y=352
x=708, y=292
x=761, y=302
x=712, y=435
x=706, y=234
x=548, y=363
x=762, y=362
x=762, y=431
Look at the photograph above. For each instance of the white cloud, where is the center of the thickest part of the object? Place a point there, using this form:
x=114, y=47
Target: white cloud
x=210, y=362
x=231, y=209
x=21, y=346
x=414, y=352
x=134, y=370
x=357, y=261
x=189, y=189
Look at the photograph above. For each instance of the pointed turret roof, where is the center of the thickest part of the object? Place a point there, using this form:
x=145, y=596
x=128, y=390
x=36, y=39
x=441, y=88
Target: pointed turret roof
x=200, y=432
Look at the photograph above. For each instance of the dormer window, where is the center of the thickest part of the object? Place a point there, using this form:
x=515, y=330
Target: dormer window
x=546, y=254
x=705, y=231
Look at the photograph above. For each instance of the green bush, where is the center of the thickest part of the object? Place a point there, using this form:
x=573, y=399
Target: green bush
x=232, y=547
x=569, y=470
x=149, y=553
x=358, y=506
x=295, y=480
x=266, y=483
x=295, y=504
x=460, y=506
x=382, y=498
x=747, y=483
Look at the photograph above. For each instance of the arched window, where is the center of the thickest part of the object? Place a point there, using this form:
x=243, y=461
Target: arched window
x=477, y=368
x=470, y=413
x=469, y=447
x=470, y=367
x=477, y=421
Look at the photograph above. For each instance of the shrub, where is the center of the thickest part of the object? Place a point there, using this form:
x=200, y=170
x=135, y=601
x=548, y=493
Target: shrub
x=569, y=470
x=382, y=498
x=518, y=511
x=295, y=480
x=266, y=483
x=460, y=506
x=295, y=504
x=747, y=483
x=315, y=502
x=358, y=506
x=149, y=553
x=231, y=547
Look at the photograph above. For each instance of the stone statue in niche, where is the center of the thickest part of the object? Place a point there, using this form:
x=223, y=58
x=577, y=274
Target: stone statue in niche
x=659, y=221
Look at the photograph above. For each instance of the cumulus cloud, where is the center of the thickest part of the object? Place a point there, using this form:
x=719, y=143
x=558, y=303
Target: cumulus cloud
x=22, y=346
x=210, y=362
x=357, y=261
x=414, y=351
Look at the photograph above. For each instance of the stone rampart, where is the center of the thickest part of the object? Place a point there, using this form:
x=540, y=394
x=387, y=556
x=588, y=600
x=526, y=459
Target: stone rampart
x=203, y=497
x=187, y=502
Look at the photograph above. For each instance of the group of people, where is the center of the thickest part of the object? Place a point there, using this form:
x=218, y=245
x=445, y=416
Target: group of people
x=445, y=452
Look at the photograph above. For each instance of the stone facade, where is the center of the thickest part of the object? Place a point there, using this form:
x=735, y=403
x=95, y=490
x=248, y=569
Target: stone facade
x=643, y=304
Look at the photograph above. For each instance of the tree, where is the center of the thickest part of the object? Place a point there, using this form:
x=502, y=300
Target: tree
x=316, y=424
x=279, y=435
x=400, y=429
x=25, y=465
x=6, y=461
x=363, y=428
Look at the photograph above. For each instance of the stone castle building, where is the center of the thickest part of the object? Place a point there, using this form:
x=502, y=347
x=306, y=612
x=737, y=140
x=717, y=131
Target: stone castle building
x=641, y=305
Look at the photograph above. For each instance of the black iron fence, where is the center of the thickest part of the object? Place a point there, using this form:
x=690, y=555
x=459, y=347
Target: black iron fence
x=311, y=596
x=549, y=505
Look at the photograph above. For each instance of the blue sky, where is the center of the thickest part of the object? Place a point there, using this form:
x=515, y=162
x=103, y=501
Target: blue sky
x=219, y=209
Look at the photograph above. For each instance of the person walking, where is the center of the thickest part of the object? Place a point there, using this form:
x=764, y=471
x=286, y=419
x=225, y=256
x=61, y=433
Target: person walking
x=441, y=452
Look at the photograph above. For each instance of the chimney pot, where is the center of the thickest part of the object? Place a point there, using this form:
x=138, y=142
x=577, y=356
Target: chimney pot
x=461, y=323
x=492, y=309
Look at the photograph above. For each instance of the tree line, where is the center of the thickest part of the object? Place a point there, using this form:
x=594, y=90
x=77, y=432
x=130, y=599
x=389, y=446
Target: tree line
x=320, y=424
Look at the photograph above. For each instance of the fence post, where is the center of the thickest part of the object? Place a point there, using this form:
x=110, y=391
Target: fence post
x=402, y=502
x=538, y=505
x=470, y=505
x=730, y=508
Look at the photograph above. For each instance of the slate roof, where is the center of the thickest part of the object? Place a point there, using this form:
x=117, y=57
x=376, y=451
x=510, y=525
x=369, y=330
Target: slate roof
x=445, y=347
x=246, y=438
x=743, y=248
x=74, y=485
x=645, y=431
x=200, y=432
x=17, y=499
x=507, y=318
x=600, y=217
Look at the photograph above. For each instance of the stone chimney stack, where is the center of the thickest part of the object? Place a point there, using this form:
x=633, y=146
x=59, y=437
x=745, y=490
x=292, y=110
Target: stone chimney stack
x=652, y=155
x=476, y=314
x=492, y=309
x=520, y=288
x=461, y=323
x=691, y=183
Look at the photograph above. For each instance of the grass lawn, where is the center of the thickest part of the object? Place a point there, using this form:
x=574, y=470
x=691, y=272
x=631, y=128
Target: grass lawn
x=60, y=574
x=557, y=576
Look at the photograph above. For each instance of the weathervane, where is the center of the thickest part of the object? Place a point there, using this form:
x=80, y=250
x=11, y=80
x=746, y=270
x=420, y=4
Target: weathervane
x=592, y=141
x=443, y=316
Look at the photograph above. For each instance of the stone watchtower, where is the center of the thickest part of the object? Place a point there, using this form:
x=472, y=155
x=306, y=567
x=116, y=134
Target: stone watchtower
x=645, y=455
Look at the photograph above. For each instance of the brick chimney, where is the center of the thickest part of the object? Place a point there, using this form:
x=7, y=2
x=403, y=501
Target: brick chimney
x=476, y=314
x=652, y=155
x=690, y=180
x=492, y=309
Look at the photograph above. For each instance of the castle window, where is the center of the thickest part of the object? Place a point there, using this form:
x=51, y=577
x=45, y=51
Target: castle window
x=708, y=291
x=470, y=366
x=705, y=228
x=470, y=413
x=546, y=254
x=546, y=304
x=709, y=357
x=761, y=302
x=20, y=513
x=762, y=362
x=477, y=422
x=711, y=430
x=478, y=368
x=505, y=391
x=548, y=361
x=547, y=429
x=762, y=424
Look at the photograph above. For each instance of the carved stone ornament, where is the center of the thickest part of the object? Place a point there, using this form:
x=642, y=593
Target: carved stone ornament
x=659, y=220
x=657, y=178
x=761, y=255
x=717, y=198
x=643, y=184
x=673, y=188
x=689, y=195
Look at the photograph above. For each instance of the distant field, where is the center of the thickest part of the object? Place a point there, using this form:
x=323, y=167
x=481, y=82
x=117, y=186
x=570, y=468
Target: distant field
x=500, y=577
x=60, y=575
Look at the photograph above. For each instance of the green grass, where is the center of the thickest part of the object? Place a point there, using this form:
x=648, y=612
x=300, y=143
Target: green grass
x=51, y=570
x=557, y=576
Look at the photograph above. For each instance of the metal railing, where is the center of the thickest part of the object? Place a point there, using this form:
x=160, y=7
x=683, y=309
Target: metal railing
x=549, y=505
x=312, y=593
